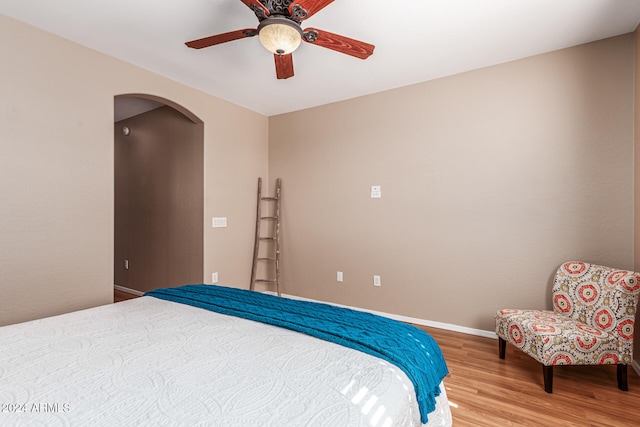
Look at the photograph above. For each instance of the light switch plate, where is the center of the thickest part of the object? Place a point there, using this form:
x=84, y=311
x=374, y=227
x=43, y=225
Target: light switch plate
x=217, y=222
x=376, y=191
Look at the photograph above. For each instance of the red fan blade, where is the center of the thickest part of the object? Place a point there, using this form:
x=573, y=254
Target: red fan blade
x=310, y=6
x=256, y=3
x=338, y=43
x=284, y=65
x=222, y=38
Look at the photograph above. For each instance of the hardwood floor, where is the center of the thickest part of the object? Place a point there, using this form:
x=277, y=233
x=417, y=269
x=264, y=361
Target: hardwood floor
x=121, y=296
x=486, y=391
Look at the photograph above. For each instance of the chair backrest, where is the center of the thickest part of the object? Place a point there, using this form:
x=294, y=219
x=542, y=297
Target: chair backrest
x=602, y=297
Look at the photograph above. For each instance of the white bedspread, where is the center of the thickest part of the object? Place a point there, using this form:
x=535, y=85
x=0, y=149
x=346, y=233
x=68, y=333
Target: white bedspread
x=154, y=362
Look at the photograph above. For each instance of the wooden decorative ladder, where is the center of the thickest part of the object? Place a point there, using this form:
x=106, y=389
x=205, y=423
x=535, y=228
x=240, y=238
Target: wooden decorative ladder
x=272, y=251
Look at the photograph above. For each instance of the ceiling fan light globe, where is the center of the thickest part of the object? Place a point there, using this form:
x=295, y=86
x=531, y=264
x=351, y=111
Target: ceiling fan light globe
x=280, y=38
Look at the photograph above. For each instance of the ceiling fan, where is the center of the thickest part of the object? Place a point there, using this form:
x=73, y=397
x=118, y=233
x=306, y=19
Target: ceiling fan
x=280, y=32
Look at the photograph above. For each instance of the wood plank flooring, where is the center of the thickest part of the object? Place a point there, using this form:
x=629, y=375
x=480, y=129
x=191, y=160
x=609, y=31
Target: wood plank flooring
x=121, y=296
x=486, y=391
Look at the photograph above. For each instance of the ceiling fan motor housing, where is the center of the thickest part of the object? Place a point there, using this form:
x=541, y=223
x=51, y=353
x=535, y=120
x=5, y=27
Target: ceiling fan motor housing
x=281, y=7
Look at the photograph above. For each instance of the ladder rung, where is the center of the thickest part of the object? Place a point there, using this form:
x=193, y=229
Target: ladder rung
x=268, y=199
x=266, y=259
x=268, y=217
x=267, y=238
x=265, y=281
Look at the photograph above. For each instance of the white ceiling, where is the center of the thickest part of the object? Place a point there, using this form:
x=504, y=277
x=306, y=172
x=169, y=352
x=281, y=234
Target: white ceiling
x=416, y=40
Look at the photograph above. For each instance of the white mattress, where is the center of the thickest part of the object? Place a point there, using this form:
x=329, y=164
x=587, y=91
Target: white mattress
x=155, y=362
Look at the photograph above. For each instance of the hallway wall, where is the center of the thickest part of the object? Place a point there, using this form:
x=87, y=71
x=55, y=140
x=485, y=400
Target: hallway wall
x=159, y=189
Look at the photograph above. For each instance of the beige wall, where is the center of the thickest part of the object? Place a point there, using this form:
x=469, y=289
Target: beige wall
x=57, y=180
x=636, y=179
x=490, y=179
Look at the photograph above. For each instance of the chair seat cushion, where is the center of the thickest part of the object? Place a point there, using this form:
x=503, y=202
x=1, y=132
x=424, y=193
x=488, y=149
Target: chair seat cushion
x=555, y=339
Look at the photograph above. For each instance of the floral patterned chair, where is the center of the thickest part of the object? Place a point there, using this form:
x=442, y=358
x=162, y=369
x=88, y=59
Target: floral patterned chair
x=594, y=308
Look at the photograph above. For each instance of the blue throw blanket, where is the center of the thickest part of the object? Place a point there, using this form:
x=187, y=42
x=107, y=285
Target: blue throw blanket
x=409, y=348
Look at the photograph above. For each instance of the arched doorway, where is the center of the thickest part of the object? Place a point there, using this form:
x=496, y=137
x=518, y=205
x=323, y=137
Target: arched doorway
x=159, y=194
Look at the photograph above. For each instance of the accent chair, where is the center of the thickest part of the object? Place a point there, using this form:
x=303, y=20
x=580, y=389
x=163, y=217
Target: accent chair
x=592, y=321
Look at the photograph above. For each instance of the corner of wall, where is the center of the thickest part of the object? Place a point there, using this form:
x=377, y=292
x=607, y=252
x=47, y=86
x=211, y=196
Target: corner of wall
x=636, y=175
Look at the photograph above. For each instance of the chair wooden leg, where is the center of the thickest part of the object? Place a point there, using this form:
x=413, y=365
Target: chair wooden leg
x=547, y=373
x=502, y=346
x=622, y=378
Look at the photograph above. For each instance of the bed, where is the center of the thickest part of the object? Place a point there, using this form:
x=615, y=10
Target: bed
x=154, y=361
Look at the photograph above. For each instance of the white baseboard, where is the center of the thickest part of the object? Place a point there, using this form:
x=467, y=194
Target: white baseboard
x=422, y=322
x=430, y=323
x=127, y=290
x=406, y=319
